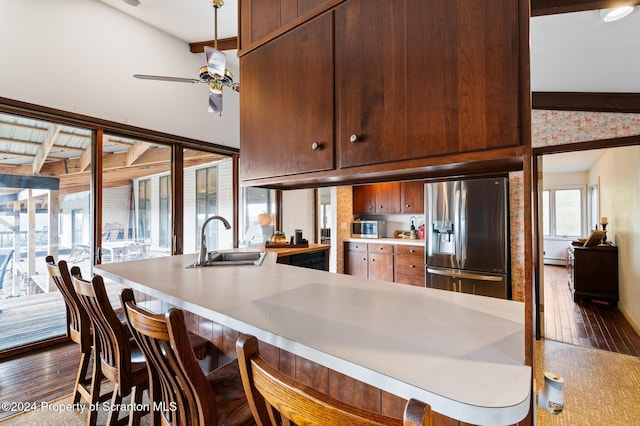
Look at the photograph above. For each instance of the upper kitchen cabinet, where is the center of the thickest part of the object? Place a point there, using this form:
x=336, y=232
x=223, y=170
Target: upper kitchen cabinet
x=412, y=197
x=376, y=198
x=287, y=103
x=259, y=18
x=354, y=91
x=421, y=78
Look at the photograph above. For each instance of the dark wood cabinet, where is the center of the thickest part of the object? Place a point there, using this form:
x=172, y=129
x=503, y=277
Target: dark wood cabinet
x=260, y=18
x=342, y=90
x=409, y=265
x=373, y=261
x=376, y=198
x=594, y=273
x=286, y=103
x=412, y=197
x=404, y=93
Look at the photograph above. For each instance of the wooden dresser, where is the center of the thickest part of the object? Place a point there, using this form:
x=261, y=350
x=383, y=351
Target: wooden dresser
x=594, y=273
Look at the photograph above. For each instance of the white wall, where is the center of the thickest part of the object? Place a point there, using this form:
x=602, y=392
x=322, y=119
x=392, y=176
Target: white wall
x=579, y=52
x=619, y=173
x=297, y=212
x=80, y=55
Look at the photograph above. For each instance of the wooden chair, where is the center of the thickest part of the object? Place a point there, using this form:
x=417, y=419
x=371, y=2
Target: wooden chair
x=178, y=385
x=275, y=398
x=79, y=330
x=121, y=361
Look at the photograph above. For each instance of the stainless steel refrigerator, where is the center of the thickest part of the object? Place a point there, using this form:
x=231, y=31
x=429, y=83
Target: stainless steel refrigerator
x=467, y=241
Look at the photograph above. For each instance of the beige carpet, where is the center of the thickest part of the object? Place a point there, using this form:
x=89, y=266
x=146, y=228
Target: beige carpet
x=601, y=387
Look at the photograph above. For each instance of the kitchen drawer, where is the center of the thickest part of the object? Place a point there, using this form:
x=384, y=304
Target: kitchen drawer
x=410, y=279
x=410, y=265
x=357, y=247
x=402, y=250
x=380, y=248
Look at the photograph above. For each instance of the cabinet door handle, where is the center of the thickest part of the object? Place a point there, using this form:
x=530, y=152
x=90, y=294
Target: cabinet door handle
x=412, y=266
x=412, y=251
x=354, y=138
x=316, y=145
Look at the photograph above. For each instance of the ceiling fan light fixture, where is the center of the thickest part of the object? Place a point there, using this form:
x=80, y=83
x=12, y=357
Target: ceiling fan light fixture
x=615, y=14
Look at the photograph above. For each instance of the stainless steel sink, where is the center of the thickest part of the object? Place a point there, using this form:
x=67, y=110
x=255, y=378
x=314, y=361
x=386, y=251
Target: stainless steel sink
x=215, y=258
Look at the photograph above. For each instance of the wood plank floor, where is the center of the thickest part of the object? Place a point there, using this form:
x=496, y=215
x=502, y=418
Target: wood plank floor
x=589, y=324
x=40, y=376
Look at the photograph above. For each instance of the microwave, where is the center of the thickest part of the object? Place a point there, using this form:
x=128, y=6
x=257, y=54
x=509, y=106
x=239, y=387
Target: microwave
x=368, y=229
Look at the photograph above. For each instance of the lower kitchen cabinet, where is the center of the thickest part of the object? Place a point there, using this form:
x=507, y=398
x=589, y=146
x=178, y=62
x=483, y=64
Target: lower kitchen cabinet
x=312, y=260
x=388, y=262
x=409, y=265
x=374, y=261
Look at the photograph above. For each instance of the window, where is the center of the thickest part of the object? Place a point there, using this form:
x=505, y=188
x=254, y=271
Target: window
x=207, y=203
x=257, y=216
x=144, y=206
x=562, y=214
x=165, y=211
x=77, y=227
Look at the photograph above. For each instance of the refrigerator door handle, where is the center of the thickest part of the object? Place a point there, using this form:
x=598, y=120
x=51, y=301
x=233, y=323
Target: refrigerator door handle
x=464, y=274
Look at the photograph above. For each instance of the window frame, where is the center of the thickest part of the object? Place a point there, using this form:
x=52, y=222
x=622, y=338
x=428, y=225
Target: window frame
x=552, y=190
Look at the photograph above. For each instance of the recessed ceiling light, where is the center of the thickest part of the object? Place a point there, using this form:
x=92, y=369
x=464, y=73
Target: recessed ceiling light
x=610, y=15
x=133, y=3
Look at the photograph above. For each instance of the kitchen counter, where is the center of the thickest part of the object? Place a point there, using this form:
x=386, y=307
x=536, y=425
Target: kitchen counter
x=290, y=251
x=399, y=241
x=462, y=354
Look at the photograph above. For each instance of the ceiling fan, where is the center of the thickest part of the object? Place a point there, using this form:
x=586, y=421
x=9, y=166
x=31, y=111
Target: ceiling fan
x=213, y=73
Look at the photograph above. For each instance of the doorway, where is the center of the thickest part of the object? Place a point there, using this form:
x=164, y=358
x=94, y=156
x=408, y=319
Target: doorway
x=605, y=183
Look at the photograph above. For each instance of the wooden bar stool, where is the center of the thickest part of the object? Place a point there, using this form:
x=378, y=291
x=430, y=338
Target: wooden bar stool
x=79, y=330
x=121, y=360
x=185, y=395
x=275, y=398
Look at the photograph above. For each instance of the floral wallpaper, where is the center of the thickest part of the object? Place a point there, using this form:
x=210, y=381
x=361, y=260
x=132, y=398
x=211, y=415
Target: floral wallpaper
x=564, y=127
x=516, y=230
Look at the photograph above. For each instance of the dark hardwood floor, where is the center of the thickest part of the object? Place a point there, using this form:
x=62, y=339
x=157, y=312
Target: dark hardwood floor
x=589, y=323
x=38, y=377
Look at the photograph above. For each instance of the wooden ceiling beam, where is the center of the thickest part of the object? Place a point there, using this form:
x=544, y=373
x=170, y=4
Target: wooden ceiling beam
x=45, y=148
x=229, y=43
x=551, y=7
x=136, y=151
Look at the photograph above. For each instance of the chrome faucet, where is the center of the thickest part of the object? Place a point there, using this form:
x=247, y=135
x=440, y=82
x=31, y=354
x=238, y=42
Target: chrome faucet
x=203, y=243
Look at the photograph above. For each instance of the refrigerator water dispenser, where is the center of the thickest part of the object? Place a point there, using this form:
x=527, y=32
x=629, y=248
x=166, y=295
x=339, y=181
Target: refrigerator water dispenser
x=443, y=238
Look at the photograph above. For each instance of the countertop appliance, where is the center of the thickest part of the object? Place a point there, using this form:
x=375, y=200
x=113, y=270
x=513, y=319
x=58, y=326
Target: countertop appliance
x=368, y=228
x=467, y=241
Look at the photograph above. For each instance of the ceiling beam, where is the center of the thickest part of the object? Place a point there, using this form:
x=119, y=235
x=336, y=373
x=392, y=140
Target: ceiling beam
x=587, y=101
x=550, y=7
x=136, y=151
x=45, y=148
x=229, y=43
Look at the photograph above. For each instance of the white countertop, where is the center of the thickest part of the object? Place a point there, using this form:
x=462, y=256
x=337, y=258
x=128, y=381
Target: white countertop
x=462, y=354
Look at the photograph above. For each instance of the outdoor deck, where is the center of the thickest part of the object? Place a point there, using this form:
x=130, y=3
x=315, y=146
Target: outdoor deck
x=36, y=317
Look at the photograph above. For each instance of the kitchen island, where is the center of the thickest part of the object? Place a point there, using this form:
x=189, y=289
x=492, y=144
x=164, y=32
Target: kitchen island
x=462, y=354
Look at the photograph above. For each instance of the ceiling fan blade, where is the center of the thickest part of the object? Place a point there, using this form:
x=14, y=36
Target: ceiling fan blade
x=216, y=62
x=215, y=101
x=162, y=78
